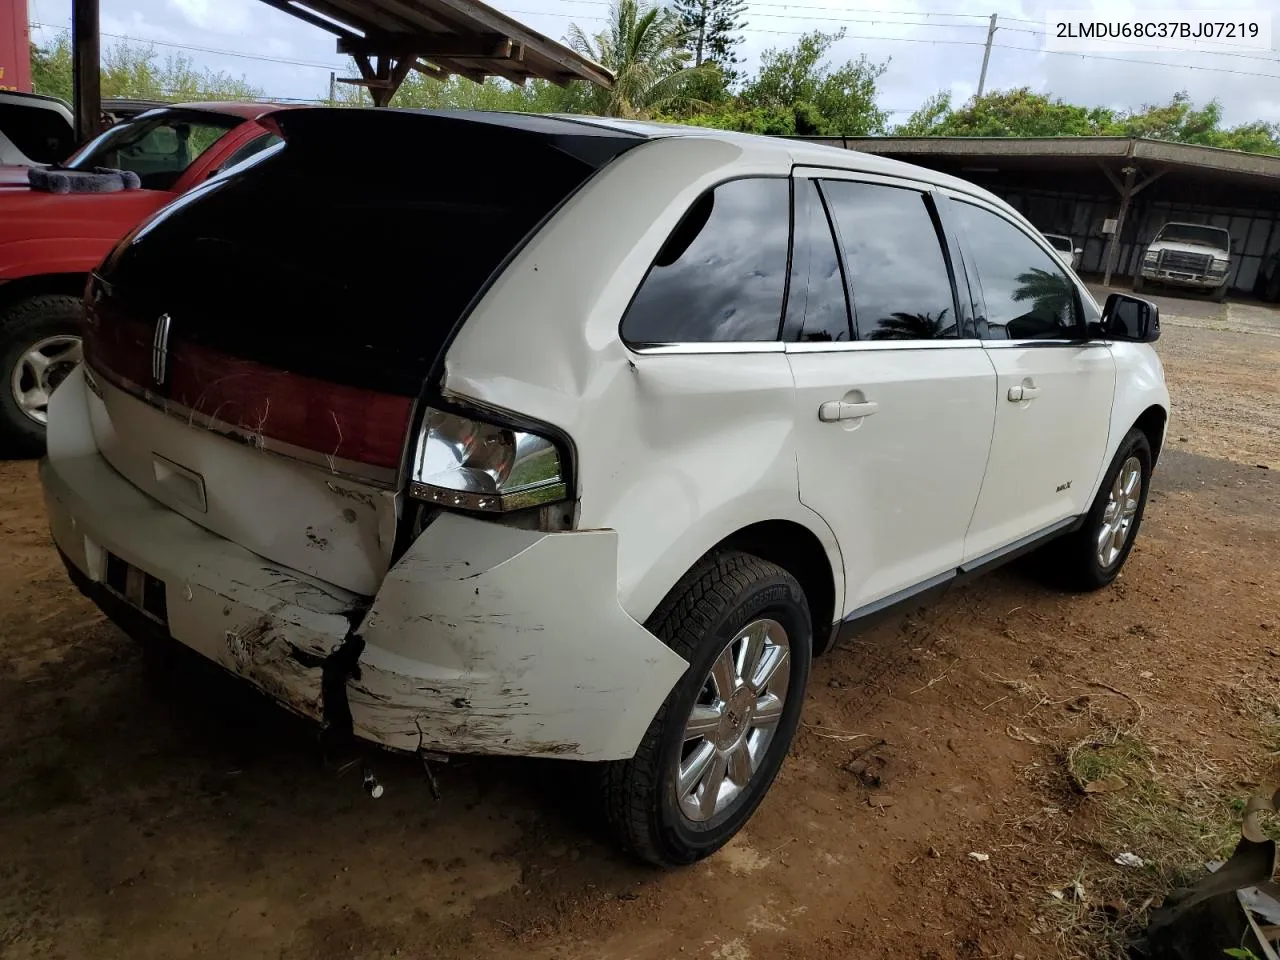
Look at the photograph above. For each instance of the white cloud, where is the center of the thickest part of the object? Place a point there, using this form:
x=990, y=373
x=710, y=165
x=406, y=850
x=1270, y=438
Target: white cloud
x=933, y=45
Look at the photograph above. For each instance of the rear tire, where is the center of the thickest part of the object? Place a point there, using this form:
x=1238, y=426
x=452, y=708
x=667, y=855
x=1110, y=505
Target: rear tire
x=1091, y=558
x=33, y=331
x=708, y=614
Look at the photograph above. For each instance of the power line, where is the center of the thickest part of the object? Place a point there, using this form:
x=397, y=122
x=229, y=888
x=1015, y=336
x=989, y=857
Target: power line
x=1150, y=63
x=975, y=43
x=1137, y=46
x=188, y=46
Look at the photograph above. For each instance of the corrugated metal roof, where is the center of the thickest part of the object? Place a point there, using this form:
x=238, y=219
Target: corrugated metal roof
x=442, y=37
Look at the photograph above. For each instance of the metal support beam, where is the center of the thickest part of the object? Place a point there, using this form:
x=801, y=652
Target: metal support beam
x=86, y=70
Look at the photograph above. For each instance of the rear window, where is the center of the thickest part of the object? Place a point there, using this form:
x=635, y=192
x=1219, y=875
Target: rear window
x=722, y=273
x=350, y=255
x=43, y=136
x=158, y=149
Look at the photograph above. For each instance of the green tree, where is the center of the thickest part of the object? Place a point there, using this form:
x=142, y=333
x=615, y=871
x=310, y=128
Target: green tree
x=827, y=100
x=644, y=46
x=1020, y=113
x=458, y=93
x=927, y=121
x=137, y=72
x=713, y=31
x=51, y=69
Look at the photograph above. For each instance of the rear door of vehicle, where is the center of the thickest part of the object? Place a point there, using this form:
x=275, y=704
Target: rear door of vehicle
x=1054, y=386
x=259, y=347
x=894, y=397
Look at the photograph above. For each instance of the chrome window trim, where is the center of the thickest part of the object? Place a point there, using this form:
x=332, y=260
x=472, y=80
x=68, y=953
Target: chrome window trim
x=942, y=343
x=843, y=173
x=1055, y=342
x=727, y=346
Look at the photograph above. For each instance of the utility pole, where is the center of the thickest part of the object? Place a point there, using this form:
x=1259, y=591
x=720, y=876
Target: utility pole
x=986, y=55
x=333, y=88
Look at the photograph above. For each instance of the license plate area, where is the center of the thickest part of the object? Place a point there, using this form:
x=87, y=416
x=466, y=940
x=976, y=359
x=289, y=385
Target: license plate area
x=137, y=588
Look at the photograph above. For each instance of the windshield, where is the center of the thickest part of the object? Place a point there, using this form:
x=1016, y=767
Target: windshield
x=1061, y=244
x=1193, y=233
x=157, y=148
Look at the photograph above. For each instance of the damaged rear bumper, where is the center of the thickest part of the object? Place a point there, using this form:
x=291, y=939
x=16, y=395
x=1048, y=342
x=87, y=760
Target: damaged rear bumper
x=481, y=639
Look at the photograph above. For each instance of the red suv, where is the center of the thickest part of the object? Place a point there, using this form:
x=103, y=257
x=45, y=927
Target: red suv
x=50, y=241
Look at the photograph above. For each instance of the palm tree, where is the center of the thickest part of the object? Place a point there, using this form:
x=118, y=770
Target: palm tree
x=644, y=46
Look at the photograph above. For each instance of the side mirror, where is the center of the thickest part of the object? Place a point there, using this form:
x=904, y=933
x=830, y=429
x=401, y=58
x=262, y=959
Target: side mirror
x=1079, y=250
x=1130, y=319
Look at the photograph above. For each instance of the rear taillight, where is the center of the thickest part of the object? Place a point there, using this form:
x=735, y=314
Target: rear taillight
x=346, y=429
x=272, y=407
x=473, y=464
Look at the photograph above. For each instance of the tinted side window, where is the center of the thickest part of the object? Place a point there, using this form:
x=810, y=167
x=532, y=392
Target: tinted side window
x=898, y=274
x=817, y=307
x=721, y=275
x=43, y=136
x=1027, y=294
x=254, y=146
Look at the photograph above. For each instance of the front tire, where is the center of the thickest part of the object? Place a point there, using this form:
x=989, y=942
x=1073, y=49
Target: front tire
x=1219, y=295
x=718, y=741
x=1091, y=557
x=39, y=346
x=1138, y=283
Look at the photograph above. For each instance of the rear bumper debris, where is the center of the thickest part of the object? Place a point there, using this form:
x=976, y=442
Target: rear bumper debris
x=481, y=639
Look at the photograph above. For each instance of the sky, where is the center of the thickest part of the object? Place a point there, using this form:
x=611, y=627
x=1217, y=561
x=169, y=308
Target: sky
x=930, y=45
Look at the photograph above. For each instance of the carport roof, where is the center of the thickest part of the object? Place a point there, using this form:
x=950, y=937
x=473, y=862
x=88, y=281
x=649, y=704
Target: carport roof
x=1073, y=153
x=441, y=37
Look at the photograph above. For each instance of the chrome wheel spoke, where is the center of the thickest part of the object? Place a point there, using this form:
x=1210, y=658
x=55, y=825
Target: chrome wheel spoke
x=711, y=785
x=774, y=658
x=752, y=650
x=695, y=768
x=703, y=722
x=740, y=765
x=724, y=673
x=768, y=712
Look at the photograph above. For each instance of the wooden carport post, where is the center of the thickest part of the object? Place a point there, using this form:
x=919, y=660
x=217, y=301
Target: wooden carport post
x=1127, y=191
x=86, y=50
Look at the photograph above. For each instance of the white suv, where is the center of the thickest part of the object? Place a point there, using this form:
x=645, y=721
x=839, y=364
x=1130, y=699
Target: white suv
x=579, y=438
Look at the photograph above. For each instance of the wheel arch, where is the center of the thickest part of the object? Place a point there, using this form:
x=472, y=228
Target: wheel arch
x=1152, y=422
x=796, y=549
x=20, y=288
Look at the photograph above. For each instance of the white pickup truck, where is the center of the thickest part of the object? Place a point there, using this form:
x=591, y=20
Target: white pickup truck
x=1190, y=255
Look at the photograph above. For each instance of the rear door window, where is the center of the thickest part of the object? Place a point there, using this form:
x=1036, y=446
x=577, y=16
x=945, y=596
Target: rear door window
x=893, y=256
x=817, y=305
x=721, y=275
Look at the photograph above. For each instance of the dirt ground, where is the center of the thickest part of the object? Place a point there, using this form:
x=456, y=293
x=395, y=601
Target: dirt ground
x=145, y=813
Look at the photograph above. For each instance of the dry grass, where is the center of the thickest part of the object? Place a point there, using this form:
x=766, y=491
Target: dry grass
x=1125, y=789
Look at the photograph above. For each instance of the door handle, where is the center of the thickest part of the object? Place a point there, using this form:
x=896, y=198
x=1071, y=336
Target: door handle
x=1024, y=392
x=834, y=410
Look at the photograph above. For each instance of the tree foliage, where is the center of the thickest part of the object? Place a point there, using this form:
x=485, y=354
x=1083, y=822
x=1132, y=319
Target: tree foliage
x=644, y=46
x=798, y=91
x=713, y=32
x=137, y=72
x=1021, y=113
